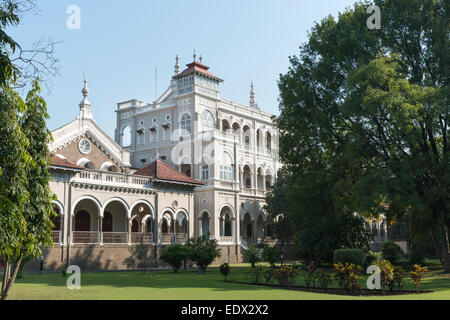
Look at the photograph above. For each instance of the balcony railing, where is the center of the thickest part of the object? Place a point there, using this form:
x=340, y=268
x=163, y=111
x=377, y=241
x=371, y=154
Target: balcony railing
x=115, y=237
x=89, y=237
x=56, y=236
x=141, y=237
x=114, y=179
x=226, y=239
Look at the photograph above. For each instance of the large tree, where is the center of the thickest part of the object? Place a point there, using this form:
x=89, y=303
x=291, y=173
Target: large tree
x=364, y=115
x=25, y=196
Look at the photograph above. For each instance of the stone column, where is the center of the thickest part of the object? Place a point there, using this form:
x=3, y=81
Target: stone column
x=100, y=228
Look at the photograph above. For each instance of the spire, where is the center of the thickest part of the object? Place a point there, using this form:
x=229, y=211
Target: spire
x=252, y=96
x=177, y=65
x=85, y=105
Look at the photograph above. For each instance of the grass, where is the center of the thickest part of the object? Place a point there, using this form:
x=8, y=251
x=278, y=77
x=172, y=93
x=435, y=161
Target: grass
x=165, y=285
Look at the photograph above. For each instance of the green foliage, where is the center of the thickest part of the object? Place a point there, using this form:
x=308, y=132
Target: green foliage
x=399, y=278
x=252, y=254
x=139, y=252
x=417, y=275
x=391, y=251
x=324, y=278
x=352, y=256
x=364, y=122
x=311, y=275
x=256, y=273
x=373, y=258
x=224, y=270
x=347, y=276
x=174, y=255
x=203, y=251
x=387, y=275
x=270, y=254
x=286, y=275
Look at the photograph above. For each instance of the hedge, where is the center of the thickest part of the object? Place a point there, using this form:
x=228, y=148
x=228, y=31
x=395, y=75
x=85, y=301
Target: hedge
x=355, y=256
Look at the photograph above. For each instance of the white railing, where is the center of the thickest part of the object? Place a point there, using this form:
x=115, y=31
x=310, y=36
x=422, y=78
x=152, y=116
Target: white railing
x=114, y=237
x=56, y=236
x=141, y=237
x=115, y=179
x=226, y=239
x=89, y=237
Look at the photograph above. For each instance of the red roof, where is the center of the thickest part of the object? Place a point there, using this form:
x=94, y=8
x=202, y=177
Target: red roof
x=197, y=67
x=59, y=162
x=161, y=171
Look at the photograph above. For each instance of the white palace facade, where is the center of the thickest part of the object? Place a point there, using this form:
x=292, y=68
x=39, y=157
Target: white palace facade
x=189, y=164
x=230, y=147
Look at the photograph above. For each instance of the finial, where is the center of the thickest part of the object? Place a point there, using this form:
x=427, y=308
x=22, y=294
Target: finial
x=177, y=65
x=201, y=58
x=195, y=55
x=85, y=90
x=252, y=96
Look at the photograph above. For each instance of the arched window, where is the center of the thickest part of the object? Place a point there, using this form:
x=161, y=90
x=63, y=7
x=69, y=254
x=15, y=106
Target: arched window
x=107, y=225
x=135, y=225
x=208, y=120
x=126, y=137
x=82, y=221
x=186, y=122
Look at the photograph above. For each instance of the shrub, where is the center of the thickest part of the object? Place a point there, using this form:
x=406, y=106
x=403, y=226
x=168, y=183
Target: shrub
x=224, y=270
x=203, y=251
x=252, y=255
x=255, y=273
x=373, y=257
x=324, y=278
x=286, y=276
x=387, y=275
x=417, y=275
x=310, y=275
x=351, y=256
x=269, y=274
x=399, y=278
x=347, y=275
x=391, y=251
x=270, y=254
x=174, y=255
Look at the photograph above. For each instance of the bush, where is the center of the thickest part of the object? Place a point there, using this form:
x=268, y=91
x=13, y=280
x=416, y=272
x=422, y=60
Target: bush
x=387, y=275
x=256, y=273
x=417, y=275
x=286, y=275
x=174, y=255
x=347, y=275
x=373, y=258
x=399, y=278
x=416, y=257
x=269, y=274
x=310, y=275
x=252, y=255
x=324, y=278
x=203, y=251
x=391, y=251
x=224, y=270
x=350, y=256
x=270, y=254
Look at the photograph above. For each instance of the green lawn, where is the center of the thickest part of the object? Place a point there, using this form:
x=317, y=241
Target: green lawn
x=164, y=285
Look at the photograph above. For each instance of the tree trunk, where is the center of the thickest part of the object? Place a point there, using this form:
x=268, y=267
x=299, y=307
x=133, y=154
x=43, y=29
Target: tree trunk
x=436, y=250
x=445, y=249
x=5, y=277
x=10, y=283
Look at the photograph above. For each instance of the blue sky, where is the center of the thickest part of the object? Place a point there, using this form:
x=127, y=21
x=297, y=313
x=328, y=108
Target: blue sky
x=120, y=44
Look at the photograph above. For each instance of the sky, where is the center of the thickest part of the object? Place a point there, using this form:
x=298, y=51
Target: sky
x=121, y=43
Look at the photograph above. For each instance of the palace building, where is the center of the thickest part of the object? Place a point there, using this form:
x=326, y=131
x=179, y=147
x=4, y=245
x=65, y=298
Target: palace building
x=189, y=164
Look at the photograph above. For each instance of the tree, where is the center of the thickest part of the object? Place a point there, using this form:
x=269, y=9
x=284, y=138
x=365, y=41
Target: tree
x=13, y=192
x=252, y=254
x=203, y=251
x=277, y=207
x=270, y=254
x=174, y=255
x=364, y=117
